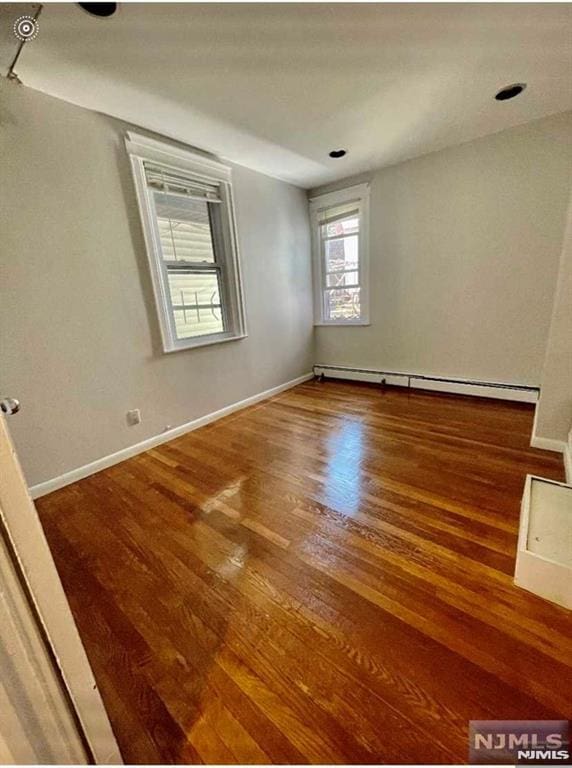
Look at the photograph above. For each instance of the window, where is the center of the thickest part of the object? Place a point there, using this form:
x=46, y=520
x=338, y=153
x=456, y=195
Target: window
x=185, y=202
x=340, y=253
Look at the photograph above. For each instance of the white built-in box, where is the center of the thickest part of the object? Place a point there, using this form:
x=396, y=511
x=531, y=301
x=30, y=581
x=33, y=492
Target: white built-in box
x=544, y=556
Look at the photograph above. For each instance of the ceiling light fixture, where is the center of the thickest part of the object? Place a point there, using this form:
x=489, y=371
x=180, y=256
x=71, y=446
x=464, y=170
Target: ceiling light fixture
x=510, y=91
x=102, y=10
x=338, y=153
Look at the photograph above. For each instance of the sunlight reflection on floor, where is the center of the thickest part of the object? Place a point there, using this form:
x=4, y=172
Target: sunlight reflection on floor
x=344, y=451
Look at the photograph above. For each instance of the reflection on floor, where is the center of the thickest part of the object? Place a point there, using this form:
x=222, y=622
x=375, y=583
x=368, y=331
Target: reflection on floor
x=324, y=577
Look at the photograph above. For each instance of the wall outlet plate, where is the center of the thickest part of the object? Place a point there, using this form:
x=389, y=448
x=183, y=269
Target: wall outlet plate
x=133, y=417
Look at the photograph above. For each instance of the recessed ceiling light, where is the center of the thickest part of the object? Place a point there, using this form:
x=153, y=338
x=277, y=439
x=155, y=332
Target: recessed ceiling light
x=510, y=91
x=338, y=153
x=103, y=10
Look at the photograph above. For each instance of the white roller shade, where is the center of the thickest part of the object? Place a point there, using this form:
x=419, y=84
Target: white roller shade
x=335, y=213
x=164, y=180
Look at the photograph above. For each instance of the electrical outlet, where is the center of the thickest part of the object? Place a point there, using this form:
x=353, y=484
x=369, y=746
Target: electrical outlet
x=134, y=417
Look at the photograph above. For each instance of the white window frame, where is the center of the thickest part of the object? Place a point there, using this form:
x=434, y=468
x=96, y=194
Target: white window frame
x=358, y=194
x=142, y=149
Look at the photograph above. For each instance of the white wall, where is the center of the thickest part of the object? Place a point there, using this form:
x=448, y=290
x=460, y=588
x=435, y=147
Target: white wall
x=79, y=338
x=465, y=251
x=464, y=257
x=554, y=409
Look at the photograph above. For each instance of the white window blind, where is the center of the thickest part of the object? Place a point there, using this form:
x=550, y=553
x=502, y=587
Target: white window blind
x=194, y=264
x=166, y=180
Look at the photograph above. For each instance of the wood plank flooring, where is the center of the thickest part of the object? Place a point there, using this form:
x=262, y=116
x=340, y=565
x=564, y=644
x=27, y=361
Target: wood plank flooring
x=325, y=577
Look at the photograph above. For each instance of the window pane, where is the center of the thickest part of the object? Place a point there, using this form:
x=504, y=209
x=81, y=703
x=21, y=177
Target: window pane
x=336, y=279
x=342, y=304
x=196, y=302
x=342, y=253
x=184, y=228
x=342, y=227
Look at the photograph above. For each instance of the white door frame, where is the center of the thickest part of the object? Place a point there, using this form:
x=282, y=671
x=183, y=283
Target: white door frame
x=32, y=555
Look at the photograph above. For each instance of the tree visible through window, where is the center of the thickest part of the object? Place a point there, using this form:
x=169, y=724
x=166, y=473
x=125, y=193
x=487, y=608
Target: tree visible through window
x=340, y=241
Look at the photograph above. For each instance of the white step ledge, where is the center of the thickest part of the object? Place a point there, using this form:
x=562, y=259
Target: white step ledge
x=544, y=553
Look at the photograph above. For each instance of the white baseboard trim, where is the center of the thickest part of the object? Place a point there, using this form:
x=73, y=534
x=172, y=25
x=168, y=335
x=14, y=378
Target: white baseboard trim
x=499, y=391
x=548, y=444
x=568, y=462
x=41, y=489
x=559, y=446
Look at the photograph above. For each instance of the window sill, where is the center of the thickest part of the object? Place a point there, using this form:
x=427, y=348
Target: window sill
x=206, y=342
x=361, y=323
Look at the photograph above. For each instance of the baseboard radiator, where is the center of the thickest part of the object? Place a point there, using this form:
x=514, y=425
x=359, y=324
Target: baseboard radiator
x=496, y=390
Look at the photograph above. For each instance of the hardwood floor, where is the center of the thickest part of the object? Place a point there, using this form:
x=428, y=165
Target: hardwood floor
x=325, y=577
